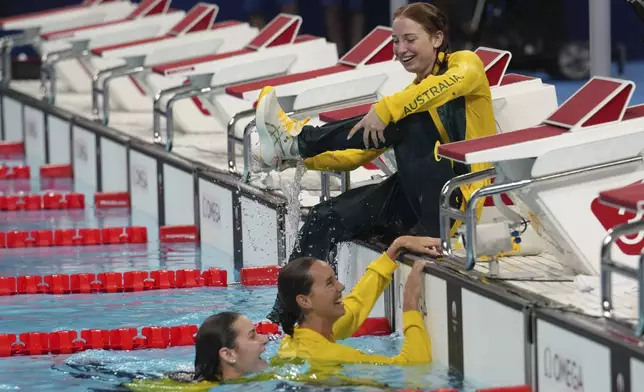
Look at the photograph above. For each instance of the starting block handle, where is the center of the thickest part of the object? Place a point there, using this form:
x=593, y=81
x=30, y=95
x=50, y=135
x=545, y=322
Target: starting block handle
x=608, y=266
x=80, y=48
x=106, y=75
x=469, y=218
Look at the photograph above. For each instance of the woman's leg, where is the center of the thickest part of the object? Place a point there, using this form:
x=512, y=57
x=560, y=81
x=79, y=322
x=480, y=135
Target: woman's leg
x=332, y=136
x=422, y=173
x=414, y=139
x=352, y=214
x=283, y=139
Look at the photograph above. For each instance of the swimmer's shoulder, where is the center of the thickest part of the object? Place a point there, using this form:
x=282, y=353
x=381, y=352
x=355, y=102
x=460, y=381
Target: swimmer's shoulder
x=465, y=56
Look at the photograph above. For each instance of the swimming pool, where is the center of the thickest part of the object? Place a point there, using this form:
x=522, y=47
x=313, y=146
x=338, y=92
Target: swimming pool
x=102, y=370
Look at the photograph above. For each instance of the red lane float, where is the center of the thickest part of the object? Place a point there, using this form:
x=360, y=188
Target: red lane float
x=112, y=200
x=20, y=172
x=68, y=342
x=259, y=276
x=374, y=326
x=112, y=282
x=71, y=237
x=46, y=201
x=56, y=171
x=12, y=147
x=522, y=388
x=174, y=234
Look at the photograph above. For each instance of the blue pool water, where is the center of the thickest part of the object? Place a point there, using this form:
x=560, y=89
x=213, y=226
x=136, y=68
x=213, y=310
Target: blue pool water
x=100, y=370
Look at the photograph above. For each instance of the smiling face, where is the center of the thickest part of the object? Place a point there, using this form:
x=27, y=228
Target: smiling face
x=414, y=47
x=325, y=298
x=249, y=346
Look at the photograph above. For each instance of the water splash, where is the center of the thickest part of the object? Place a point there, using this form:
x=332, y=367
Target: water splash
x=291, y=188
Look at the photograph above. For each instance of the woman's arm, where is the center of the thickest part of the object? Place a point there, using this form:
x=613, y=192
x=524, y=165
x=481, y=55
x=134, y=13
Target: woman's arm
x=359, y=303
x=464, y=76
x=342, y=160
x=416, y=347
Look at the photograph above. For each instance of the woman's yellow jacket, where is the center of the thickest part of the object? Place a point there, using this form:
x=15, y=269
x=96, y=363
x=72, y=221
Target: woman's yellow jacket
x=310, y=345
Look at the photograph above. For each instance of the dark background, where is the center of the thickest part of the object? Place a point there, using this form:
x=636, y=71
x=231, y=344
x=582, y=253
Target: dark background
x=626, y=27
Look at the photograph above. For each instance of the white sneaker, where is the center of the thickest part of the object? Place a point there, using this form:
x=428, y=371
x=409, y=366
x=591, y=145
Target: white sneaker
x=259, y=163
x=277, y=132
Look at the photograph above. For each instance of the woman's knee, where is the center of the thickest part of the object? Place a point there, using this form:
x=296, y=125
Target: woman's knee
x=417, y=123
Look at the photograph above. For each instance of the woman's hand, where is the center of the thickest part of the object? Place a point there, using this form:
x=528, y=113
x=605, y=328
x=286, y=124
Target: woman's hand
x=425, y=245
x=374, y=128
x=413, y=286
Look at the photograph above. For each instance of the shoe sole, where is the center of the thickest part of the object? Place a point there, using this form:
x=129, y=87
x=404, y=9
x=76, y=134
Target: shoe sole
x=265, y=138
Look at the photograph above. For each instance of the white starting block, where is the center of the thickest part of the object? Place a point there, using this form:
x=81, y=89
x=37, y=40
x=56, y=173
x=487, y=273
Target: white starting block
x=195, y=35
x=150, y=19
x=276, y=50
x=88, y=12
x=554, y=171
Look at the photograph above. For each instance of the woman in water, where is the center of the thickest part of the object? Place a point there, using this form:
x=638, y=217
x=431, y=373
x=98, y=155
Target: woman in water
x=315, y=315
x=227, y=348
x=448, y=101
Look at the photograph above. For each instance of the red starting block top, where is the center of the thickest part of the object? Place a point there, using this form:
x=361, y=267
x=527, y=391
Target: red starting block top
x=376, y=47
x=150, y=7
x=145, y=8
x=634, y=112
x=514, y=78
x=344, y=113
x=201, y=17
x=599, y=101
x=495, y=63
x=630, y=197
x=281, y=30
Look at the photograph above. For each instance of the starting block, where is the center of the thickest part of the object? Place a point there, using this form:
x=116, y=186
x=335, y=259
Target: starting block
x=86, y=13
x=62, y=49
x=31, y=26
x=195, y=35
x=554, y=171
x=277, y=50
x=628, y=199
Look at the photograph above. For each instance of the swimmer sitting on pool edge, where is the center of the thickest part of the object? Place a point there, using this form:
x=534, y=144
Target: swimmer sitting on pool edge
x=228, y=347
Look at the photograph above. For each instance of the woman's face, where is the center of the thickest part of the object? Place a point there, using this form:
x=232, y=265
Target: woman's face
x=325, y=298
x=249, y=346
x=414, y=47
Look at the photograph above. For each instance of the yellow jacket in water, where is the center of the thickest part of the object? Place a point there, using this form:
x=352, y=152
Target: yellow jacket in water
x=324, y=376
x=312, y=346
x=322, y=353
x=457, y=97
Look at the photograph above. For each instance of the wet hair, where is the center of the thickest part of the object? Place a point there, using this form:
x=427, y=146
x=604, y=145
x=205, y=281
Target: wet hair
x=215, y=333
x=428, y=16
x=294, y=279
